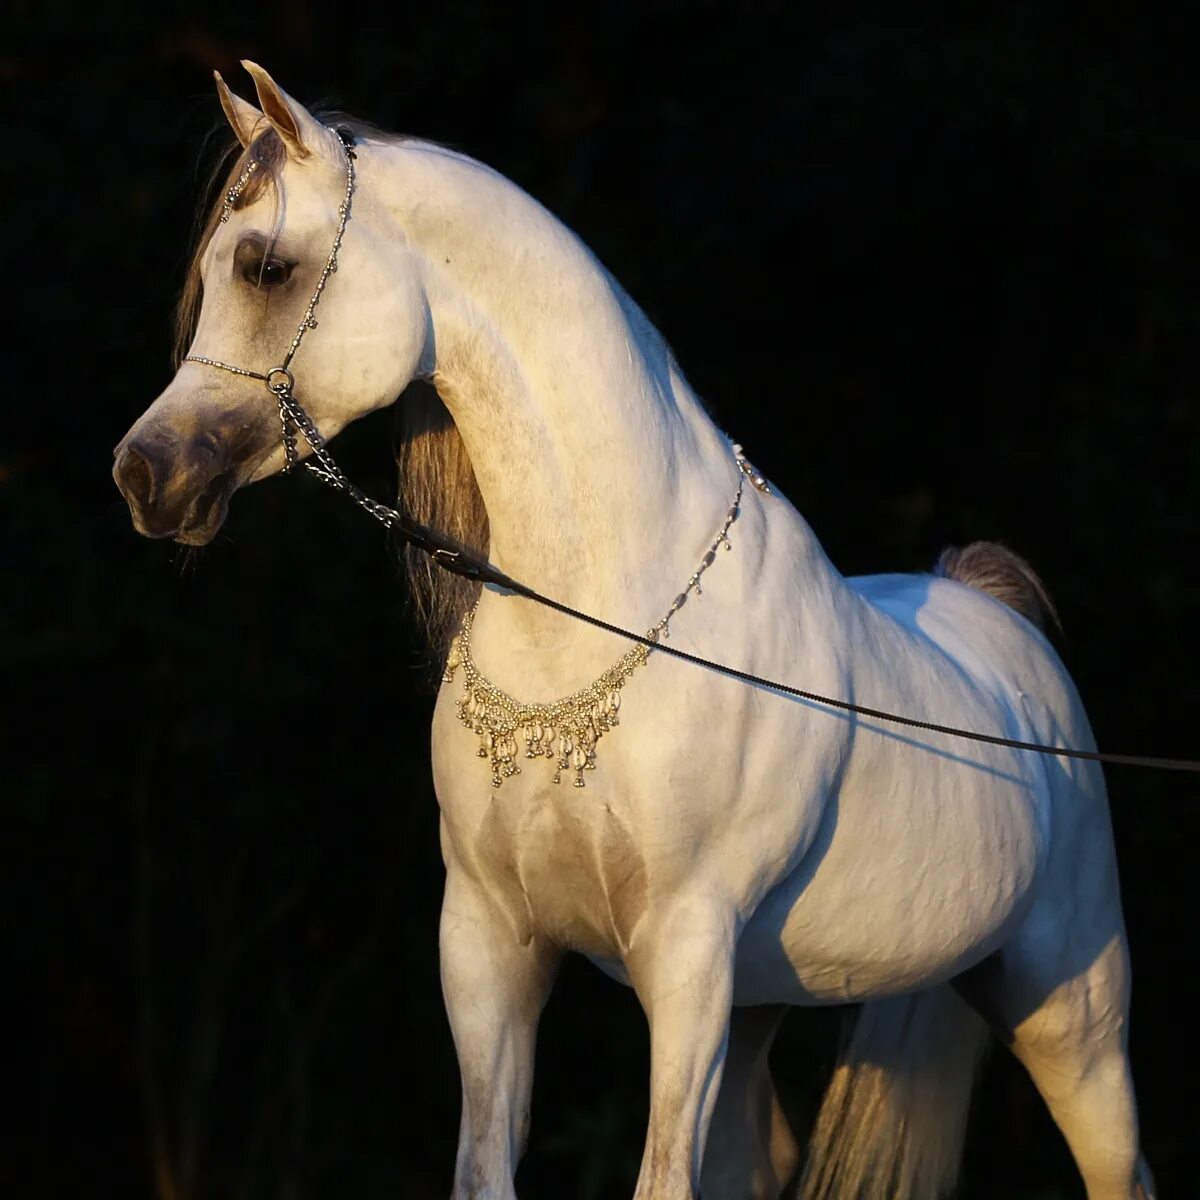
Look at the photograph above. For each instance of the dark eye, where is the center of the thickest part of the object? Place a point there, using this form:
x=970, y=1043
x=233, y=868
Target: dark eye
x=267, y=272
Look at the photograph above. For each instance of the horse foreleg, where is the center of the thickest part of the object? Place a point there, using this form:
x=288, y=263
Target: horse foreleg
x=750, y=1153
x=494, y=989
x=683, y=974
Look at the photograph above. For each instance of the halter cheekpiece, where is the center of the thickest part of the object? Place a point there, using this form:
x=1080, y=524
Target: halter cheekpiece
x=279, y=380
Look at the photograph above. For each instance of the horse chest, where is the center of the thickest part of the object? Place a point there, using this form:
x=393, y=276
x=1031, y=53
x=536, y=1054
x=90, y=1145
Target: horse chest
x=560, y=862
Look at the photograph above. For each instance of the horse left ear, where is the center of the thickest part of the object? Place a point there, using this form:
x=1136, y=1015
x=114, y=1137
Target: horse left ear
x=241, y=114
x=301, y=132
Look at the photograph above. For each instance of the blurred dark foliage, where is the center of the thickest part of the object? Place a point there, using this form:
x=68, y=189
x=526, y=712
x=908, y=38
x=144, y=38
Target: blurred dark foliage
x=938, y=273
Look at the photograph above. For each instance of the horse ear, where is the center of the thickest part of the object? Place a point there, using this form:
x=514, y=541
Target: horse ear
x=242, y=115
x=302, y=133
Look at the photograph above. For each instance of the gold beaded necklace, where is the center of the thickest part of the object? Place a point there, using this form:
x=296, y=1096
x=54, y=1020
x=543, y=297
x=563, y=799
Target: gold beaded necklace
x=566, y=731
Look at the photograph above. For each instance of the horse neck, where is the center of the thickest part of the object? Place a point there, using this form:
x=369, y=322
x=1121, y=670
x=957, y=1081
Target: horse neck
x=603, y=478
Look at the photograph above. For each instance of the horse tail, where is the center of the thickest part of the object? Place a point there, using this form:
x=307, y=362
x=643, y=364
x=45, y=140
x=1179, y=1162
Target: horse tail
x=995, y=569
x=892, y=1123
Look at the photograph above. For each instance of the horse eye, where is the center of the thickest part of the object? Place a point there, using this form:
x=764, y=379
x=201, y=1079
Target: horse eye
x=267, y=272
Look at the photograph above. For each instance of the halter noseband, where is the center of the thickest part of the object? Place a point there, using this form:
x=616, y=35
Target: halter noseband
x=280, y=381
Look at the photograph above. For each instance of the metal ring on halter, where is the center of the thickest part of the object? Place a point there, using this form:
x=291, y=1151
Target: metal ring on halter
x=281, y=387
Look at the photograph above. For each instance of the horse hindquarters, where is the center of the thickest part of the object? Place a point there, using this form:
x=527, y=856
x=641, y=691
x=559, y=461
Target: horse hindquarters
x=892, y=1122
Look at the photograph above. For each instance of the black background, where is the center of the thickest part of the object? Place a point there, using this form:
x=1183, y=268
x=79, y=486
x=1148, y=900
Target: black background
x=938, y=273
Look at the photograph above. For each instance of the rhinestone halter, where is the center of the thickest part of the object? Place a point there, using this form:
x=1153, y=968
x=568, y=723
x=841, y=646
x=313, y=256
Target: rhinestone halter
x=279, y=380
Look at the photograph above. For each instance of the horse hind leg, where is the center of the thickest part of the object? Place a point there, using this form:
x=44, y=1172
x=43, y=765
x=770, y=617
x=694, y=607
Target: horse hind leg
x=750, y=1153
x=1070, y=1036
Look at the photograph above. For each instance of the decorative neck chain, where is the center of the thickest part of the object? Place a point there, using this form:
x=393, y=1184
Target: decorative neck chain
x=566, y=731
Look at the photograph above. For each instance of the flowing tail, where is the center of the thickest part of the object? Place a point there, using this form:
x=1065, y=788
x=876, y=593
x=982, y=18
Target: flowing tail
x=892, y=1123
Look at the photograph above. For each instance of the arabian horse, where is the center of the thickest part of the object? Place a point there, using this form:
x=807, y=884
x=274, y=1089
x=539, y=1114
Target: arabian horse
x=726, y=850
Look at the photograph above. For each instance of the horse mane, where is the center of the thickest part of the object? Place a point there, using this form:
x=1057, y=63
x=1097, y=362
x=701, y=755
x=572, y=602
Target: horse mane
x=437, y=482
x=439, y=489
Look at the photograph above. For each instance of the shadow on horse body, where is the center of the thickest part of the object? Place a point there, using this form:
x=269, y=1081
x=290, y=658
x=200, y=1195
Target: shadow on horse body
x=735, y=850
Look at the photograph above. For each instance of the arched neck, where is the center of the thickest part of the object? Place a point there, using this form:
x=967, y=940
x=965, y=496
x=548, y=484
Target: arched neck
x=602, y=476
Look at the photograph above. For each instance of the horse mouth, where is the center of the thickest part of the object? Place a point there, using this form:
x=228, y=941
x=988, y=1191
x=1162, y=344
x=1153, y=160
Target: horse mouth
x=206, y=513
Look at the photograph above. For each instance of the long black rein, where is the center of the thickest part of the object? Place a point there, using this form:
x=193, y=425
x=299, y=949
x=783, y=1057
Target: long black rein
x=459, y=561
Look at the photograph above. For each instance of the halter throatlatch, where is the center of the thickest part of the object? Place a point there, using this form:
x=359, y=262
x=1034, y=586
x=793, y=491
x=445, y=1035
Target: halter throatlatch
x=281, y=383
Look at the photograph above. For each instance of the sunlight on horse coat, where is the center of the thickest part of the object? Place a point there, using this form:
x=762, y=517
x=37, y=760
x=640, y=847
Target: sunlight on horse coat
x=735, y=850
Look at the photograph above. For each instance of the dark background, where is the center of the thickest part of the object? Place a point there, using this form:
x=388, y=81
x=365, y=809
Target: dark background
x=937, y=273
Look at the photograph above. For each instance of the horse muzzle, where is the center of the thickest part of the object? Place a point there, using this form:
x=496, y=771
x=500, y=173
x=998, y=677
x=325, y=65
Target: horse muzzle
x=178, y=489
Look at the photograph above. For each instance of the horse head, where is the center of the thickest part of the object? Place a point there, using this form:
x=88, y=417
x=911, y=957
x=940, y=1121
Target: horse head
x=264, y=253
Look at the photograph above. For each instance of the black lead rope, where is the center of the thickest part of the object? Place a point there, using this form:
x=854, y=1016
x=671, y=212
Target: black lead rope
x=280, y=381
x=459, y=561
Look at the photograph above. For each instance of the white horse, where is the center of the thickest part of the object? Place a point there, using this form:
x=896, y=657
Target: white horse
x=735, y=850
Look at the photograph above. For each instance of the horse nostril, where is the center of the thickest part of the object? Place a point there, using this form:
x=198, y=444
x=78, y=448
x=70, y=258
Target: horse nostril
x=135, y=474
